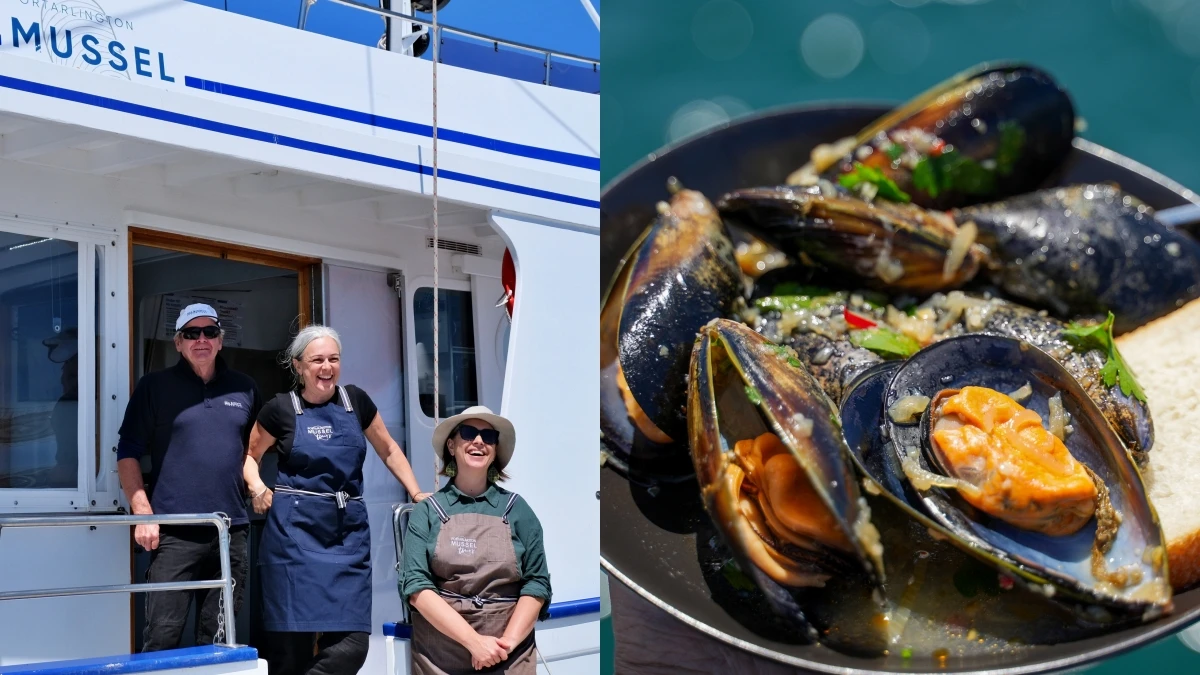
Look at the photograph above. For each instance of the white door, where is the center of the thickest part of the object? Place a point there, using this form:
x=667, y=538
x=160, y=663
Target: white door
x=365, y=311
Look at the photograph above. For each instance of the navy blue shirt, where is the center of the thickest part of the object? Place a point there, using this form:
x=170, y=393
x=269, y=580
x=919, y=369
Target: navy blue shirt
x=196, y=434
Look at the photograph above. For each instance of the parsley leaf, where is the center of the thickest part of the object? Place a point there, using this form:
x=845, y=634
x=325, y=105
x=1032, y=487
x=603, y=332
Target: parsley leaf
x=894, y=152
x=925, y=177
x=866, y=174
x=964, y=174
x=953, y=171
x=1012, y=138
x=1115, y=369
x=885, y=342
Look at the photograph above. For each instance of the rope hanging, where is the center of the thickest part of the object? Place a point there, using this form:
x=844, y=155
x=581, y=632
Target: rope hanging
x=436, y=289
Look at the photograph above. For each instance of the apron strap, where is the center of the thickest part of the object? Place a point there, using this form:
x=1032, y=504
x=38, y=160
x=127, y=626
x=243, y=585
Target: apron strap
x=511, y=500
x=296, y=403
x=445, y=517
x=341, y=497
x=345, y=399
x=475, y=599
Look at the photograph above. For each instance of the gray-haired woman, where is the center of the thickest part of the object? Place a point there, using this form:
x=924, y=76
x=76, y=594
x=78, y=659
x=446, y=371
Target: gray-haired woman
x=315, y=554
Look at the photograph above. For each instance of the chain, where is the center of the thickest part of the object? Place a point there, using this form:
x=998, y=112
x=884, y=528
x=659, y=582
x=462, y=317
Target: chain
x=219, y=637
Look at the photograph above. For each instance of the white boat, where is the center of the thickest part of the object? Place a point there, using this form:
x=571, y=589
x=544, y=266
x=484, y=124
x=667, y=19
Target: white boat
x=155, y=151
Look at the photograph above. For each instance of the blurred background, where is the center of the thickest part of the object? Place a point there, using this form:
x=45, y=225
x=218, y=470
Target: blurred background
x=672, y=69
x=1132, y=67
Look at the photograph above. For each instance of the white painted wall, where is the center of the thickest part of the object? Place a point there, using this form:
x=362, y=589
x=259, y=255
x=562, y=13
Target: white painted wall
x=366, y=314
x=551, y=398
x=492, y=331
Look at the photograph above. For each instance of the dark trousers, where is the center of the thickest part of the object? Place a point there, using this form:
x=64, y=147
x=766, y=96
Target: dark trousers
x=190, y=553
x=335, y=653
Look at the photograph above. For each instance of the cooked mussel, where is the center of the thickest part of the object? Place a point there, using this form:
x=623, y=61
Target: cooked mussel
x=1087, y=360
x=1011, y=467
x=1087, y=250
x=679, y=275
x=988, y=133
x=1021, y=510
x=773, y=467
x=885, y=245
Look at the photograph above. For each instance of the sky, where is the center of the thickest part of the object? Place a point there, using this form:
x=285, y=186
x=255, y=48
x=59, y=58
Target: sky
x=559, y=25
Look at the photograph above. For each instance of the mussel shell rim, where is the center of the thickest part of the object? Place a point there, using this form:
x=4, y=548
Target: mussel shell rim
x=925, y=98
x=819, y=486
x=1023, y=574
x=1067, y=585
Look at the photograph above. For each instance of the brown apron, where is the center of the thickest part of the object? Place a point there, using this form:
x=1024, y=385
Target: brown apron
x=475, y=559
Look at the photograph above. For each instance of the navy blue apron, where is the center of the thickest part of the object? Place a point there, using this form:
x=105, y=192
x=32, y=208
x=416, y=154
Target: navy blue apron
x=315, y=559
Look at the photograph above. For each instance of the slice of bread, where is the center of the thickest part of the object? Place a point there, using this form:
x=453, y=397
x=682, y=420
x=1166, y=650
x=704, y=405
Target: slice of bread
x=1164, y=356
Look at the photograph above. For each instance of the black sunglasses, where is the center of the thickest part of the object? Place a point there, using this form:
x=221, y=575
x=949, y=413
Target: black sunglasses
x=488, y=436
x=193, y=332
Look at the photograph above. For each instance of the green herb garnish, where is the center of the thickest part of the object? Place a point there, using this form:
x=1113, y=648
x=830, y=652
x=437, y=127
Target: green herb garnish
x=753, y=395
x=924, y=177
x=894, y=151
x=1115, y=369
x=736, y=578
x=887, y=187
x=792, y=303
x=885, y=342
x=954, y=171
x=786, y=303
x=793, y=288
x=787, y=354
x=1012, y=139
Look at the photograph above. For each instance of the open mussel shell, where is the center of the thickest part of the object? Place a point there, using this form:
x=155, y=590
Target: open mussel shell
x=743, y=387
x=1061, y=567
x=1008, y=127
x=679, y=275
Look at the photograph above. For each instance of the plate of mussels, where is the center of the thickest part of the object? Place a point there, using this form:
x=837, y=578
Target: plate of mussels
x=862, y=407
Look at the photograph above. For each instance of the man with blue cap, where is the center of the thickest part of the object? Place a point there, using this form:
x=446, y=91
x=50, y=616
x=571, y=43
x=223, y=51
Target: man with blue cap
x=194, y=422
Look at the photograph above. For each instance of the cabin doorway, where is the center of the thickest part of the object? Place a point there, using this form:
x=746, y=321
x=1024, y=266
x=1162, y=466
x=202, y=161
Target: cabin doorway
x=263, y=298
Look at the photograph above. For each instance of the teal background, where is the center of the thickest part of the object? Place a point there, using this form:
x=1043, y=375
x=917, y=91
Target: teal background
x=1131, y=66
x=675, y=67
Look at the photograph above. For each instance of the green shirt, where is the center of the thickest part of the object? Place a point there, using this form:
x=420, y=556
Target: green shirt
x=424, y=526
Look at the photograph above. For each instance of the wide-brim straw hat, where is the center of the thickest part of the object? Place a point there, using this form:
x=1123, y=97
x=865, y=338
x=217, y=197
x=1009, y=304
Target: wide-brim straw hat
x=508, y=435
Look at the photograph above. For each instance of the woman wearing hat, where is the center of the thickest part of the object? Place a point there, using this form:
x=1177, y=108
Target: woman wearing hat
x=315, y=555
x=474, y=565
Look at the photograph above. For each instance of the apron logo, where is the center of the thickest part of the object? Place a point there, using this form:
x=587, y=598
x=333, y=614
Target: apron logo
x=321, y=433
x=465, y=545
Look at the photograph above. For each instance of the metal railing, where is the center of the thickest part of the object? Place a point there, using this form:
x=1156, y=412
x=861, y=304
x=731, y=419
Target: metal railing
x=400, y=514
x=547, y=54
x=225, y=583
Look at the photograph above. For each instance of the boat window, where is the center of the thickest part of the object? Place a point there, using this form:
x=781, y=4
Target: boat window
x=457, y=388
x=40, y=414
